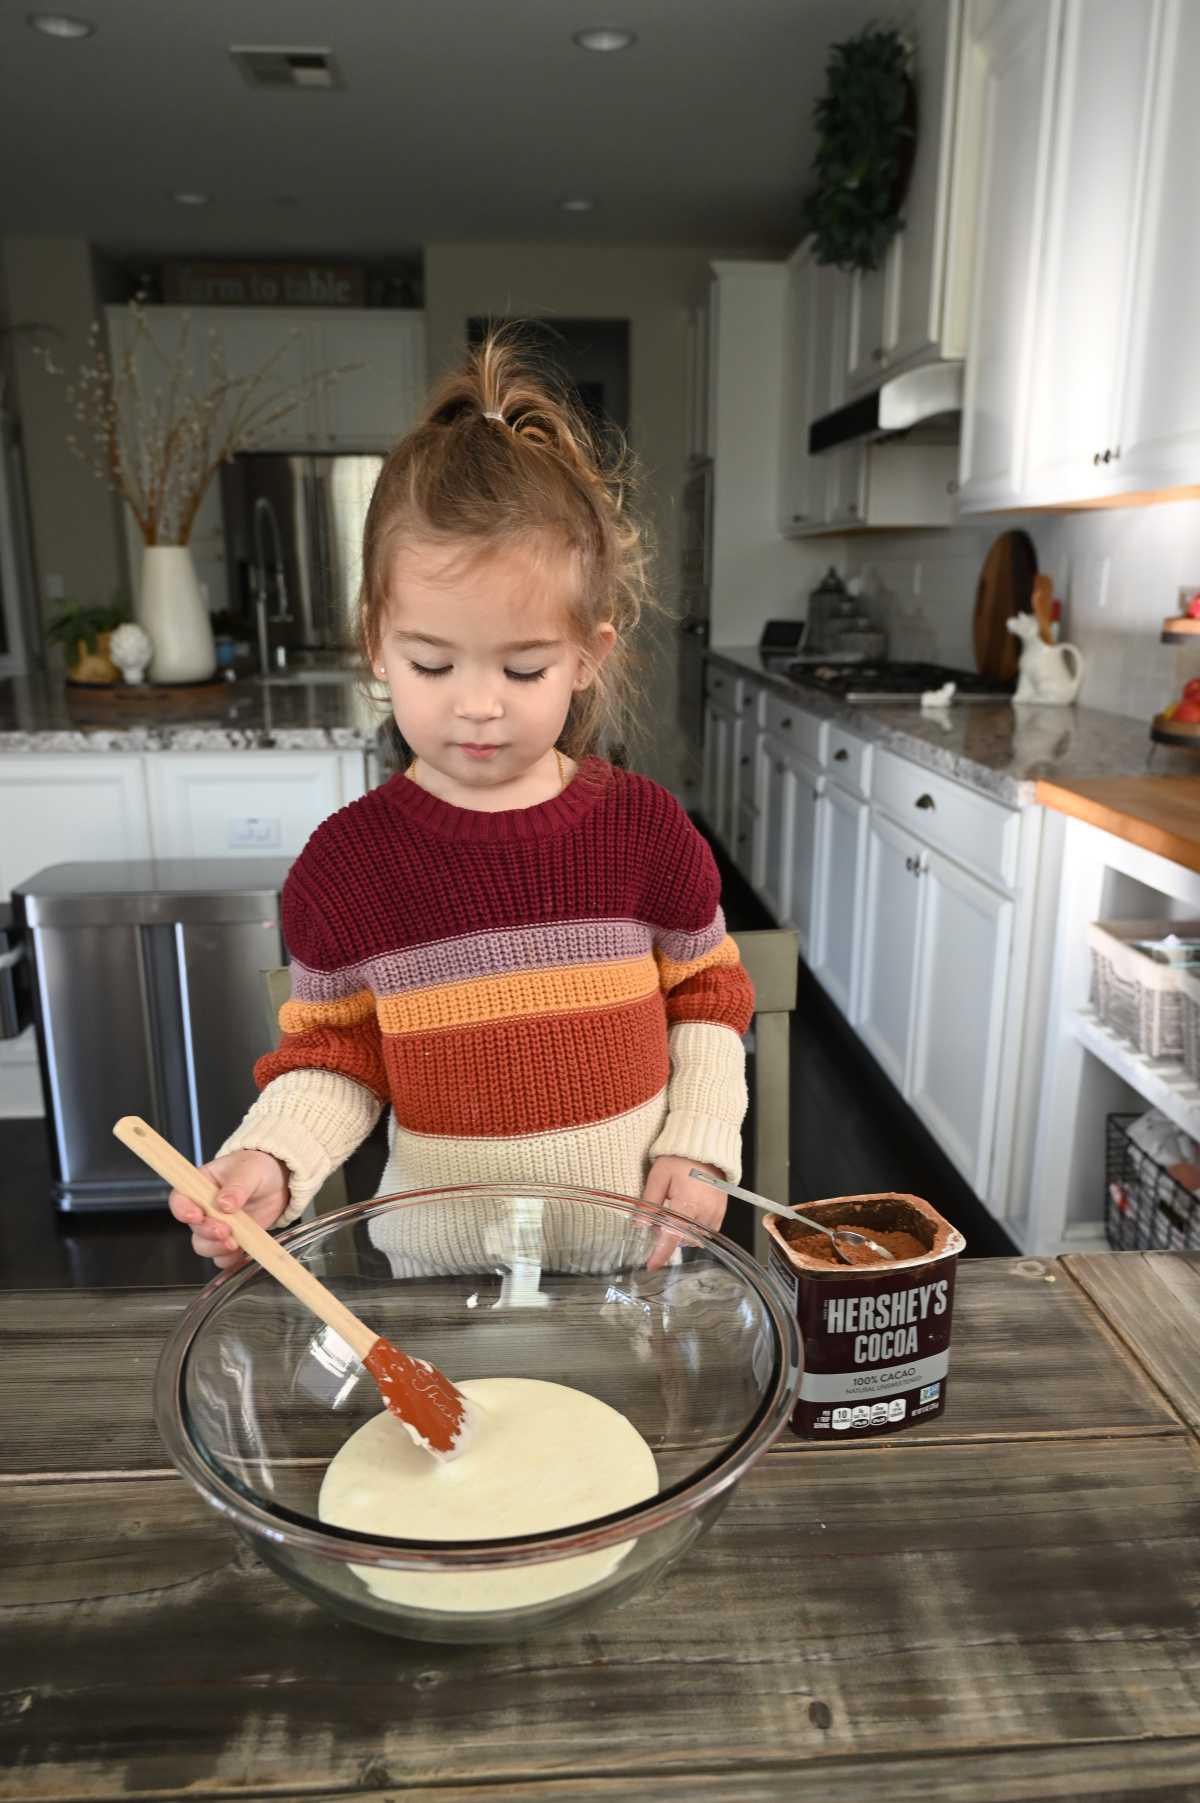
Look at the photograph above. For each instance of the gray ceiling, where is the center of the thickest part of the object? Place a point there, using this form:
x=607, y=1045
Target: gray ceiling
x=460, y=120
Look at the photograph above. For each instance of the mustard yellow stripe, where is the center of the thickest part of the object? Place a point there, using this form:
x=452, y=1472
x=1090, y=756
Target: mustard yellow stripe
x=672, y=974
x=347, y=1011
x=569, y=990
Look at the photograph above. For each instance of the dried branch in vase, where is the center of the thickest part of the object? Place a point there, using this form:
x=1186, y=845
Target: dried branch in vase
x=156, y=437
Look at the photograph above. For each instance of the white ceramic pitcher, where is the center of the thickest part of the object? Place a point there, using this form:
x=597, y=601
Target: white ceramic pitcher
x=1047, y=674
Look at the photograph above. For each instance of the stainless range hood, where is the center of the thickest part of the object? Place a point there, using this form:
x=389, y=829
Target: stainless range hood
x=924, y=402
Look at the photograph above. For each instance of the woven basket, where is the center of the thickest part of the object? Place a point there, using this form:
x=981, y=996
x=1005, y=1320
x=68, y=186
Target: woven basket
x=1136, y=995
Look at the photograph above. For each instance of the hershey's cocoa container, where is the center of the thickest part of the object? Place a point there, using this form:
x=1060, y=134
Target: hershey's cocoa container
x=876, y=1336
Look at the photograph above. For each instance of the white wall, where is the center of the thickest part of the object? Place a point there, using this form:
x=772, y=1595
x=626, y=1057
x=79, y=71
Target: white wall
x=650, y=288
x=1117, y=571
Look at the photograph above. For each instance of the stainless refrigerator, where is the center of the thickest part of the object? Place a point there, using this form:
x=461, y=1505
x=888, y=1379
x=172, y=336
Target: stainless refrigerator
x=295, y=524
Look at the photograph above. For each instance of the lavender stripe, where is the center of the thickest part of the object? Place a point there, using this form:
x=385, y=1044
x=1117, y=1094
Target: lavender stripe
x=681, y=948
x=475, y=955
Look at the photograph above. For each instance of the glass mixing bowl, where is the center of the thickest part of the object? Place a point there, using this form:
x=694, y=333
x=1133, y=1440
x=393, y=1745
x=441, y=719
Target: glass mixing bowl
x=254, y=1395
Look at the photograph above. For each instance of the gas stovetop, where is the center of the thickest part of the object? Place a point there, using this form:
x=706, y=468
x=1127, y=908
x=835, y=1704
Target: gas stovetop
x=886, y=681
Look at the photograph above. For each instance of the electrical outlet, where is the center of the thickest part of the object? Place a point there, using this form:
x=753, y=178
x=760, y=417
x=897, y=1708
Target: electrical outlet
x=255, y=831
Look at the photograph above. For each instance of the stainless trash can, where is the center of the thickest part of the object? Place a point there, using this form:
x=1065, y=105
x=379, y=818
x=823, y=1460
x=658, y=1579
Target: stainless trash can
x=147, y=1000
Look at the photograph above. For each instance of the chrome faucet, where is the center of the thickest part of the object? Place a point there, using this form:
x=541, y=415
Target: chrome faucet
x=263, y=511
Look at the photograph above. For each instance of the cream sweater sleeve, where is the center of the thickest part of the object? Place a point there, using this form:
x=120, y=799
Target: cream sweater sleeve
x=311, y=1120
x=706, y=1097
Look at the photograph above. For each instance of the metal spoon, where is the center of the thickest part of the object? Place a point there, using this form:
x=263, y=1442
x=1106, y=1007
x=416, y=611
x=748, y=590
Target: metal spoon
x=793, y=1214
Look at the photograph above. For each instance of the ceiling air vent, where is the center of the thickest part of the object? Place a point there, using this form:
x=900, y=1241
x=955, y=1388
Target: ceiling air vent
x=287, y=66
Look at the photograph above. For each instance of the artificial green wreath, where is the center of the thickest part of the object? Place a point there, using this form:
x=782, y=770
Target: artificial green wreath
x=866, y=138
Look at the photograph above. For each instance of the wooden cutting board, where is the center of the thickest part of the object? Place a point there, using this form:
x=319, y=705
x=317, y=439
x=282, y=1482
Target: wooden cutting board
x=1005, y=588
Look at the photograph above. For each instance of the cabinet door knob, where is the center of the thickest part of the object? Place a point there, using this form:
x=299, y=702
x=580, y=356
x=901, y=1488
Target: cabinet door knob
x=839, y=757
x=1096, y=458
x=925, y=801
x=952, y=487
x=796, y=518
x=877, y=354
x=745, y=761
x=1107, y=457
x=910, y=863
x=779, y=769
x=852, y=510
x=785, y=723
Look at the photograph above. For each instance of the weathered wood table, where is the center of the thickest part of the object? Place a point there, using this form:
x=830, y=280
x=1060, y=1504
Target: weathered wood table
x=1003, y=1605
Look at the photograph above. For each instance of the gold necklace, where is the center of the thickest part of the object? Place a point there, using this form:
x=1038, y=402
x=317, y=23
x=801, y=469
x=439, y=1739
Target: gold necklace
x=410, y=773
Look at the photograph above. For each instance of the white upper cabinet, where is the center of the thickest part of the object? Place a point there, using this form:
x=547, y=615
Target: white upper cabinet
x=250, y=338
x=1089, y=267
x=1159, y=441
x=914, y=306
x=800, y=502
x=871, y=333
x=375, y=402
x=1009, y=73
x=698, y=379
x=931, y=257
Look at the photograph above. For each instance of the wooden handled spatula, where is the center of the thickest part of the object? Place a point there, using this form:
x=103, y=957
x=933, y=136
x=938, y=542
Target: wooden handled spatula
x=419, y=1395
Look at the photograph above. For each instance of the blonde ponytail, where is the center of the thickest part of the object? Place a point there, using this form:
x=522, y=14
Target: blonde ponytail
x=500, y=457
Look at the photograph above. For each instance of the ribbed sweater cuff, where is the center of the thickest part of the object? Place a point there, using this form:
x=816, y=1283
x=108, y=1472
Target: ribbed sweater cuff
x=704, y=1141
x=706, y=1098
x=311, y=1121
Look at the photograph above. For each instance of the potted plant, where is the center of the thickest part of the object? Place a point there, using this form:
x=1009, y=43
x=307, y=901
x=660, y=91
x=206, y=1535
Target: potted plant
x=157, y=437
x=85, y=632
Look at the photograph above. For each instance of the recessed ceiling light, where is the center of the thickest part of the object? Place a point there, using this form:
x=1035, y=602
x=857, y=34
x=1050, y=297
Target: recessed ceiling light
x=61, y=25
x=605, y=38
x=188, y=198
x=576, y=203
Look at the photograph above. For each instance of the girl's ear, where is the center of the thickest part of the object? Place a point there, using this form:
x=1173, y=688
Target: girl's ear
x=603, y=640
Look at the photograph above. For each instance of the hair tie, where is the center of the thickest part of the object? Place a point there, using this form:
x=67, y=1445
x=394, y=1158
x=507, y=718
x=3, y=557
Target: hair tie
x=490, y=413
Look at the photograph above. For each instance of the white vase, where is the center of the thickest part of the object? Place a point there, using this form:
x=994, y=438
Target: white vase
x=173, y=611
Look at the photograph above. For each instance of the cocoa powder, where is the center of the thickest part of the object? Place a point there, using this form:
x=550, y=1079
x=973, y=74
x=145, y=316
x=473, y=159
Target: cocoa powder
x=816, y=1245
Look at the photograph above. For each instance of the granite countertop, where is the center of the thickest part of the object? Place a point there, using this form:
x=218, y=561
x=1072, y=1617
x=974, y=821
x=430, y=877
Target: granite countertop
x=992, y=746
x=41, y=716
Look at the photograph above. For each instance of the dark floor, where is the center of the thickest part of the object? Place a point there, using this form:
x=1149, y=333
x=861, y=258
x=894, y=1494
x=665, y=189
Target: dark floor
x=851, y=1134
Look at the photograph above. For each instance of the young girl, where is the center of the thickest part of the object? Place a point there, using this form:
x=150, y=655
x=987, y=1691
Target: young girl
x=514, y=946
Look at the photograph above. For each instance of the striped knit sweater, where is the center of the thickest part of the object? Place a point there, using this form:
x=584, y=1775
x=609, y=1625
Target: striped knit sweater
x=544, y=995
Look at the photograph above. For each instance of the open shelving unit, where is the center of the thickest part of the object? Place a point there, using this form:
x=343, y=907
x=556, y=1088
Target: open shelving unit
x=1163, y=1082
x=1088, y=1071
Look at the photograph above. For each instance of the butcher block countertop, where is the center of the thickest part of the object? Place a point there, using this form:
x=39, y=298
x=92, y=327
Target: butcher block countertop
x=1159, y=813
x=1001, y=1604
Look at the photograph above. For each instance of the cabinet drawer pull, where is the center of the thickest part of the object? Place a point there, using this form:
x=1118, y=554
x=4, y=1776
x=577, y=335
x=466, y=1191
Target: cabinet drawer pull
x=840, y=756
x=925, y=801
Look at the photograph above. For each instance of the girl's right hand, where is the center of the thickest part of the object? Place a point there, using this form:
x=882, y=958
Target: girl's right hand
x=254, y=1181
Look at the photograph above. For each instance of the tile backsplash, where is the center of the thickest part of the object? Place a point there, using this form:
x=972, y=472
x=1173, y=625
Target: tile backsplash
x=1117, y=573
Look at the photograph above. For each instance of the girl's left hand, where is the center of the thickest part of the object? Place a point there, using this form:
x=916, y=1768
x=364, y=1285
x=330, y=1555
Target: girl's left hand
x=669, y=1186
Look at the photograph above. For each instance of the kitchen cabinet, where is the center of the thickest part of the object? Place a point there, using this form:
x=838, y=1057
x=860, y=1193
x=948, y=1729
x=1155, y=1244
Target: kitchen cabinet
x=376, y=401
x=61, y=809
x=936, y=945
x=801, y=488
x=891, y=916
x=839, y=866
x=1158, y=446
x=773, y=873
x=871, y=335
x=248, y=338
x=226, y=804
x=1010, y=75
x=808, y=788
x=914, y=306
x=958, y=1011
x=1089, y=264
